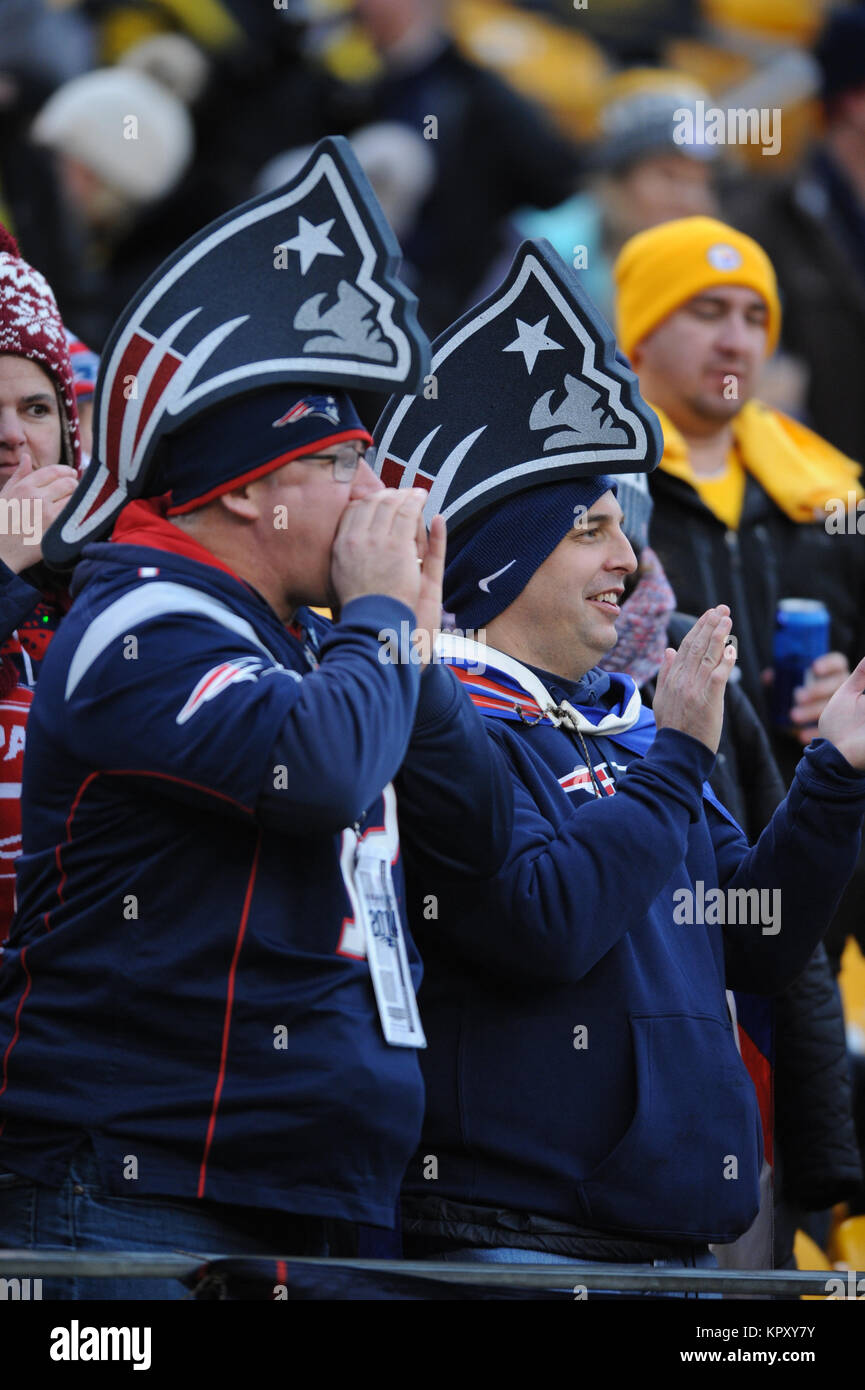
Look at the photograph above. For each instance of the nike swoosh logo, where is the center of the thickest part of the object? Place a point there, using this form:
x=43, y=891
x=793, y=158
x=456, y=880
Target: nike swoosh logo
x=485, y=583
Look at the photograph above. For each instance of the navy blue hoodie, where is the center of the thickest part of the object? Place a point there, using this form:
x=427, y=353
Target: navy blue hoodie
x=582, y=1065
x=184, y=981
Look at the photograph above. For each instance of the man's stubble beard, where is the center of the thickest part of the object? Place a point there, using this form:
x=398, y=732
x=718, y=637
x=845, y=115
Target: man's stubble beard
x=714, y=411
x=719, y=410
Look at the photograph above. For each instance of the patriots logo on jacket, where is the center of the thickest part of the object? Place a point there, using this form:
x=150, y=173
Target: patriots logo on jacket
x=217, y=679
x=581, y=780
x=529, y=389
x=324, y=407
x=297, y=285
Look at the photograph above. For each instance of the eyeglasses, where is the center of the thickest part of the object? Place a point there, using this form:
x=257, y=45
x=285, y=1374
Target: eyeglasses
x=346, y=459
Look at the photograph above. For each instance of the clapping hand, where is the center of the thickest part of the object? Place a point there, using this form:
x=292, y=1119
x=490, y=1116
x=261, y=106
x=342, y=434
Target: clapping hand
x=689, y=695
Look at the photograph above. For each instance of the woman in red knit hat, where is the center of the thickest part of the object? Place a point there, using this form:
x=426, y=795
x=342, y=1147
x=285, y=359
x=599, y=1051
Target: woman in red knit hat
x=40, y=455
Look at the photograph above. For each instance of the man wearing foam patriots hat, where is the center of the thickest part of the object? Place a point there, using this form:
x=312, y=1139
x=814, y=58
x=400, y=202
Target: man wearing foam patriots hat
x=207, y=1006
x=585, y=1095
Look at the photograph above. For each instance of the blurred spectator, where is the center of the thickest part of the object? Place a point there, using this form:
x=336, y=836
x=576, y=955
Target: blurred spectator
x=640, y=177
x=39, y=48
x=122, y=141
x=397, y=162
x=121, y=144
x=493, y=150
x=813, y=228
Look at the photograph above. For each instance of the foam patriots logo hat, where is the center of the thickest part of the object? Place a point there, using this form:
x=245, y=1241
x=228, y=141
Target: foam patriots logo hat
x=298, y=285
x=526, y=388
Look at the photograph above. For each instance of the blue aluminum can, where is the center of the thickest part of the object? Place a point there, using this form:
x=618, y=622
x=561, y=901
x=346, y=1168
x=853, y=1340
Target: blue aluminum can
x=801, y=635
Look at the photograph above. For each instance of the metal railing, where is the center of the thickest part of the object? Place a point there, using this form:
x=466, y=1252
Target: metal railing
x=613, y=1277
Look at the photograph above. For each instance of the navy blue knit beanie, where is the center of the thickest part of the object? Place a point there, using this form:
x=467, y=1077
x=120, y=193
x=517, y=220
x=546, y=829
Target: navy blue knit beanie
x=492, y=558
x=250, y=435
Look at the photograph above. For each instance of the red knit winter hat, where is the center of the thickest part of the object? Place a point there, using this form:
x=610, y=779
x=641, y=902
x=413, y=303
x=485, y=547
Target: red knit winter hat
x=31, y=327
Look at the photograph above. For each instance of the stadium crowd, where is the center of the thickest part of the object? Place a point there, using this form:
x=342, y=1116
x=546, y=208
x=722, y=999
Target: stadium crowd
x=336, y=948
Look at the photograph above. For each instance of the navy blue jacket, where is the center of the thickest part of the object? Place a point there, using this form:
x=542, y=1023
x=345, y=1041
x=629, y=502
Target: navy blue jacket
x=184, y=981
x=581, y=1064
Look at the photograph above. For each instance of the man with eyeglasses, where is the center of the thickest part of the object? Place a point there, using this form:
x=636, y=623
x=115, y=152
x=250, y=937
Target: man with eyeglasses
x=211, y=879
x=208, y=1022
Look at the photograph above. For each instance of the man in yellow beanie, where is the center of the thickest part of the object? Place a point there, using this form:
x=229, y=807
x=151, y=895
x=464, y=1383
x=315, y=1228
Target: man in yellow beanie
x=746, y=498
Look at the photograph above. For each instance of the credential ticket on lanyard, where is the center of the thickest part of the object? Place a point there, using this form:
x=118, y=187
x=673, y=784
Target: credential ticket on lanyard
x=385, y=944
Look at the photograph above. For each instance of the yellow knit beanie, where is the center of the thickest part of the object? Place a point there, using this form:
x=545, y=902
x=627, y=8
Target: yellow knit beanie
x=659, y=270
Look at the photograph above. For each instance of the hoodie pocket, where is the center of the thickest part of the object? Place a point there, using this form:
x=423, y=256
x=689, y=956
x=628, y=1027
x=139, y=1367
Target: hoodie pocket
x=689, y=1162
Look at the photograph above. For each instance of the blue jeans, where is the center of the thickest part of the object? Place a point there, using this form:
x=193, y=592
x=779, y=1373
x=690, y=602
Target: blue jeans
x=701, y=1259
x=81, y=1215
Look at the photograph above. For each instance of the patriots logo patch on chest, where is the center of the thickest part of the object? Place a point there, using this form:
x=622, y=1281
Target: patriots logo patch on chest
x=580, y=780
